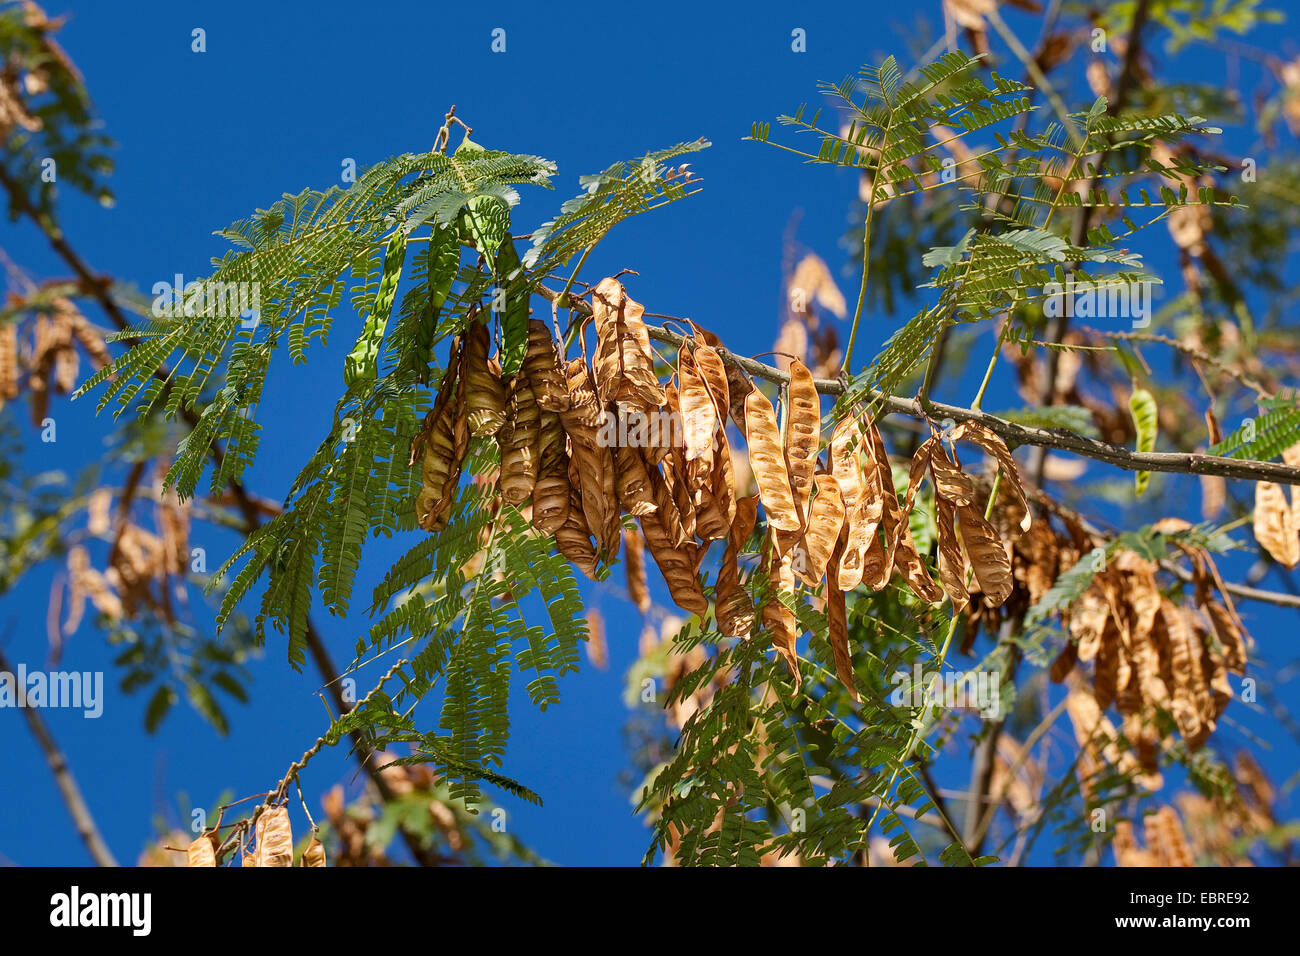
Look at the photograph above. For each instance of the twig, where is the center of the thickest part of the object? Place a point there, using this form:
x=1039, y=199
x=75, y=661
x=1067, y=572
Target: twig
x=1011, y=432
x=82, y=818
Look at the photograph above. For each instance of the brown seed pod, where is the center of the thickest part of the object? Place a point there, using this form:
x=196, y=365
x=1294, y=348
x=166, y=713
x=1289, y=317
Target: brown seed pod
x=520, y=441
x=952, y=564
x=624, y=361
x=908, y=563
x=711, y=368
x=9, y=370
x=545, y=372
x=675, y=508
x=485, y=396
x=878, y=563
x=1275, y=524
x=201, y=852
x=993, y=444
x=551, y=493
x=860, y=494
x=769, y=465
x=274, y=838
x=1064, y=662
x=802, y=434
x=314, y=855
x=634, y=559
x=950, y=482
x=592, y=469
x=441, y=449
x=778, y=619
x=677, y=565
x=1230, y=634
x=837, y=620
x=573, y=538
x=699, y=414
x=738, y=384
x=987, y=555
x=632, y=482
x=825, y=521
x=735, y=611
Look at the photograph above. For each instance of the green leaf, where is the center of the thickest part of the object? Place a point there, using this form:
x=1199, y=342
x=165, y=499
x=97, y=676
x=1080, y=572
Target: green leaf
x=162, y=701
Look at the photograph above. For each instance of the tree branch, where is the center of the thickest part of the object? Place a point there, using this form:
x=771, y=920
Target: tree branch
x=82, y=818
x=1011, y=432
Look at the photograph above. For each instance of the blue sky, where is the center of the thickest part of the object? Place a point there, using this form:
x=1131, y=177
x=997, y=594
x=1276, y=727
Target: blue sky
x=284, y=94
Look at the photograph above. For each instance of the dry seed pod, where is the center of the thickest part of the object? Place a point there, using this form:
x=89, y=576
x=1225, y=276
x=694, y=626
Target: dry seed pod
x=987, y=555
x=779, y=620
x=545, y=373
x=878, y=563
x=551, y=493
x=859, y=492
x=738, y=384
x=519, y=440
x=441, y=448
x=908, y=563
x=634, y=551
x=676, y=508
x=992, y=443
x=624, y=361
x=583, y=408
x=592, y=463
x=314, y=855
x=952, y=564
x=573, y=538
x=274, y=838
x=825, y=520
x=698, y=412
x=485, y=395
x=632, y=482
x=1230, y=634
x=769, y=463
x=677, y=565
x=201, y=852
x=714, y=372
x=837, y=620
x=802, y=433
x=9, y=371
x=1275, y=524
x=950, y=481
x=734, y=610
